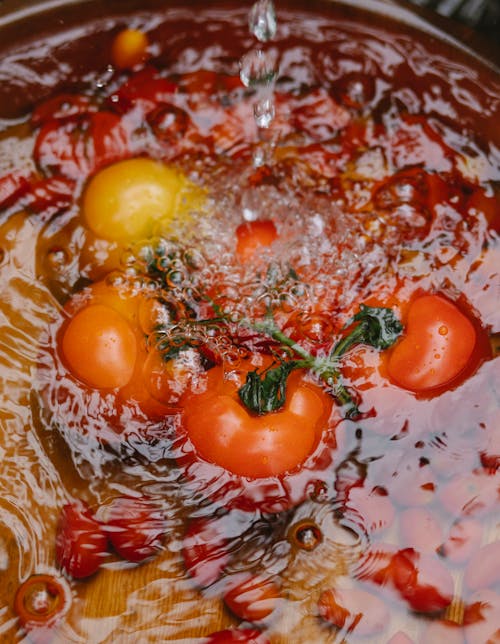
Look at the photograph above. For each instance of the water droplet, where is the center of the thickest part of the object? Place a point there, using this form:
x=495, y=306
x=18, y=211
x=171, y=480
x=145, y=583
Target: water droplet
x=262, y=20
x=258, y=68
x=105, y=77
x=57, y=257
x=305, y=535
x=264, y=112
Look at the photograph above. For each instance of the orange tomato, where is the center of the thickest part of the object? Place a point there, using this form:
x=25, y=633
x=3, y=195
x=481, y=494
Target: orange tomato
x=129, y=48
x=437, y=345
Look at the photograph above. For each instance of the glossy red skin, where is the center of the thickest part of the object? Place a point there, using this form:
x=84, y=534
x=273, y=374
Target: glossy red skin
x=253, y=599
x=205, y=550
x=81, y=543
x=267, y=493
x=144, y=90
x=253, y=236
x=436, y=346
x=422, y=581
x=359, y=611
x=243, y=635
x=62, y=107
x=12, y=186
x=135, y=527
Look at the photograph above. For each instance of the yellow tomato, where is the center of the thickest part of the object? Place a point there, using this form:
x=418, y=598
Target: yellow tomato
x=130, y=47
x=134, y=199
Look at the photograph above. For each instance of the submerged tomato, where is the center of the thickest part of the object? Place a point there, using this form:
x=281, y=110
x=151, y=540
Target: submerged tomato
x=437, y=346
x=253, y=599
x=253, y=236
x=356, y=610
x=135, y=527
x=205, y=550
x=223, y=431
x=100, y=347
x=81, y=544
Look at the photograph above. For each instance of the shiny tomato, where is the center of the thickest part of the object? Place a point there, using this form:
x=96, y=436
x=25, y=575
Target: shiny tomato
x=127, y=200
x=358, y=611
x=253, y=236
x=81, y=543
x=436, y=347
x=205, y=550
x=234, y=635
x=129, y=48
x=100, y=347
x=12, y=186
x=224, y=432
x=253, y=598
x=135, y=527
x=41, y=600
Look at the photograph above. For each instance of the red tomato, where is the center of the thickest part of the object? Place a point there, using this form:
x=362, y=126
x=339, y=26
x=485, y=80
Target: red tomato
x=135, y=527
x=224, y=432
x=62, y=107
x=204, y=550
x=49, y=196
x=421, y=529
x=81, y=544
x=319, y=115
x=421, y=580
x=41, y=600
x=243, y=635
x=483, y=569
x=12, y=186
x=63, y=147
x=100, y=347
x=144, y=90
x=431, y=588
x=463, y=539
x=253, y=599
x=357, y=611
x=110, y=139
x=437, y=345
x=252, y=236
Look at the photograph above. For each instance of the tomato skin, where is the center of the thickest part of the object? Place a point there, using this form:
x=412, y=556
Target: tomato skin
x=129, y=48
x=81, y=544
x=224, y=432
x=62, y=107
x=12, y=186
x=253, y=236
x=359, y=611
x=204, y=551
x=41, y=600
x=243, y=635
x=135, y=527
x=253, y=598
x=437, y=345
x=100, y=347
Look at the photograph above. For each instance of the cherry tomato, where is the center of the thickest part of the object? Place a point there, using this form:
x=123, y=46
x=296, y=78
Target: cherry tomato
x=49, y=196
x=100, y=347
x=356, y=610
x=243, y=635
x=81, y=544
x=145, y=90
x=437, y=345
x=62, y=107
x=253, y=599
x=41, y=600
x=129, y=48
x=430, y=589
x=127, y=200
x=205, y=550
x=224, y=432
x=483, y=569
x=253, y=236
x=12, y=186
x=135, y=527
